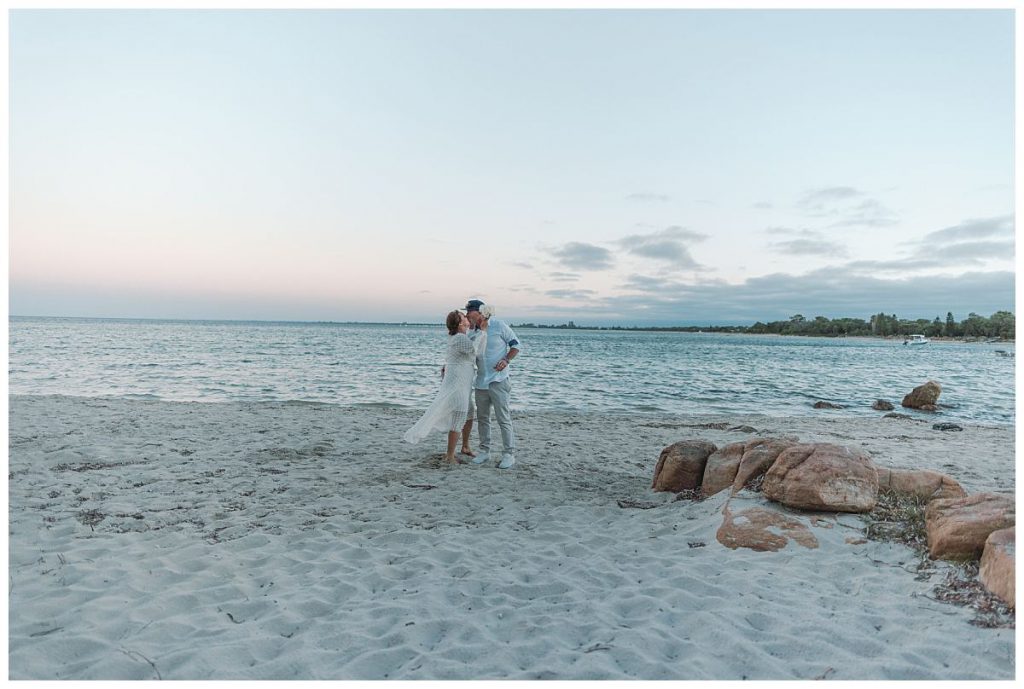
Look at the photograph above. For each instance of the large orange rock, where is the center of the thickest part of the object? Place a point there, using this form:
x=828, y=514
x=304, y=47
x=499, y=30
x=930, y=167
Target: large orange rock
x=681, y=465
x=958, y=527
x=924, y=396
x=998, y=568
x=922, y=483
x=822, y=476
x=737, y=463
x=721, y=468
x=758, y=458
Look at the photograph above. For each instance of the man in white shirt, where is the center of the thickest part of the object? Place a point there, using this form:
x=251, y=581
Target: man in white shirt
x=492, y=387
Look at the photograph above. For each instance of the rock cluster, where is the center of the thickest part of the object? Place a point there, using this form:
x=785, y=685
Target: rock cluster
x=959, y=527
x=834, y=478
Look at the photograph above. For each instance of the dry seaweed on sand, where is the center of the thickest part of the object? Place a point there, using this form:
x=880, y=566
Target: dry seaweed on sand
x=899, y=518
x=692, y=494
x=962, y=587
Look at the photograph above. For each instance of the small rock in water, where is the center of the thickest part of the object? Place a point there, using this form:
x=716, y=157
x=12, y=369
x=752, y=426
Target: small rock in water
x=827, y=405
x=897, y=415
x=744, y=429
x=882, y=405
x=924, y=396
x=946, y=427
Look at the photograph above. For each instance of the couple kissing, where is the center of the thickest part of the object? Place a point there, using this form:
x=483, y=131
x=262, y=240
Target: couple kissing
x=475, y=380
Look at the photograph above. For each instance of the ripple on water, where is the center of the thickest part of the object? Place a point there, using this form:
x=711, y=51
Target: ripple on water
x=678, y=373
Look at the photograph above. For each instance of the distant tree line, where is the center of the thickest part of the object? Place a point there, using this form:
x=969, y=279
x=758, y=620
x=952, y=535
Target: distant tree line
x=1001, y=324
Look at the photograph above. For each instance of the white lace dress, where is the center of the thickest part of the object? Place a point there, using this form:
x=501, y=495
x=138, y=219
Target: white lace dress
x=450, y=408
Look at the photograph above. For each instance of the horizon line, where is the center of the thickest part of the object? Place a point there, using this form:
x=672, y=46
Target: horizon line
x=722, y=323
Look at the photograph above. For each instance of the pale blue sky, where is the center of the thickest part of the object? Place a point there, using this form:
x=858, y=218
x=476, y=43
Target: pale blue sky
x=606, y=166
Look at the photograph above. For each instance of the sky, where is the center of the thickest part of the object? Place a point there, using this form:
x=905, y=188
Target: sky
x=609, y=167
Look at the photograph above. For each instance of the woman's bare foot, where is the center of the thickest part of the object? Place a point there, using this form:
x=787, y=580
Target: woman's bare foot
x=451, y=460
x=467, y=451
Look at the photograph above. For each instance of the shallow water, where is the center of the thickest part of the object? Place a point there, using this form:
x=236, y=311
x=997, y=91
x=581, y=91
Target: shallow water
x=588, y=371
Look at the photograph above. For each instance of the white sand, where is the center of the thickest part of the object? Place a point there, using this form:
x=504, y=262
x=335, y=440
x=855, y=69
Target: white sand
x=299, y=541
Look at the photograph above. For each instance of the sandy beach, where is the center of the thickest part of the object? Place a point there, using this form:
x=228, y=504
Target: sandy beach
x=190, y=541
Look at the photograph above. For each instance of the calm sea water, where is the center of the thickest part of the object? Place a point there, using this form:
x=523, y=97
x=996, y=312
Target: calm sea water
x=588, y=371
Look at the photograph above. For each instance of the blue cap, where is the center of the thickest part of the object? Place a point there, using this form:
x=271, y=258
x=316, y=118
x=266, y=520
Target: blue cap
x=473, y=305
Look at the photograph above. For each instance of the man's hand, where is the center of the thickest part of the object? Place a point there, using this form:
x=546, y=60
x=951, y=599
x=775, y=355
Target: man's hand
x=501, y=365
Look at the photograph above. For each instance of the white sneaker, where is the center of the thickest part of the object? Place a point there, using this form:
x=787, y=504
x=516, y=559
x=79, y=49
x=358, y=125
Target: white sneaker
x=481, y=457
x=507, y=462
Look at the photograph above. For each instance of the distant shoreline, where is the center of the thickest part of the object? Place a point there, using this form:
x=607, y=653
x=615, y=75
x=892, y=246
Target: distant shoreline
x=703, y=330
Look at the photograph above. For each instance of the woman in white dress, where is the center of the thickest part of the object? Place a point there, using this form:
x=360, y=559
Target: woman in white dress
x=450, y=409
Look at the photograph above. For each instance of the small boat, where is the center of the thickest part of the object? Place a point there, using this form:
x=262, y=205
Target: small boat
x=917, y=340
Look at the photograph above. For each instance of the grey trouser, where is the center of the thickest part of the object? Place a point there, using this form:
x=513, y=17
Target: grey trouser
x=496, y=395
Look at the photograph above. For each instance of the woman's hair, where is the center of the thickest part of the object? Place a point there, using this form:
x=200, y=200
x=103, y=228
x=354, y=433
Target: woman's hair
x=452, y=321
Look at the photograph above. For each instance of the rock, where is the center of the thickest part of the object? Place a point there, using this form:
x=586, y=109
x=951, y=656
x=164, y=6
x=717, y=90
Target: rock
x=957, y=527
x=722, y=467
x=882, y=405
x=822, y=476
x=758, y=458
x=737, y=463
x=749, y=529
x=946, y=427
x=926, y=485
x=924, y=396
x=998, y=569
x=681, y=465
x=743, y=429
x=827, y=405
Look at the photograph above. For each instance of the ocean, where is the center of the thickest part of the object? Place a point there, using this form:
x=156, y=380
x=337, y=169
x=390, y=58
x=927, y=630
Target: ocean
x=668, y=374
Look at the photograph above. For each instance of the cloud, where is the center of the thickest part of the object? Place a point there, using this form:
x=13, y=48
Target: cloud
x=794, y=232
x=762, y=205
x=819, y=199
x=971, y=243
x=564, y=277
x=979, y=228
x=581, y=256
x=954, y=256
x=970, y=251
x=521, y=264
x=646, y=283
x=899, y=265
x=848, y=206
x=825, y=292
x=571, y=293
x=649, y=197
x=809, y=247
x=869, y=213
x=667, y=245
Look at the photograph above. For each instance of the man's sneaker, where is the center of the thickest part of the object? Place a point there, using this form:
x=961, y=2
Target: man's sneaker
x=507, y=462
x=481, y=457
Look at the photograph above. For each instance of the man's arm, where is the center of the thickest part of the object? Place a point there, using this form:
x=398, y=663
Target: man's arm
x=513, y=349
